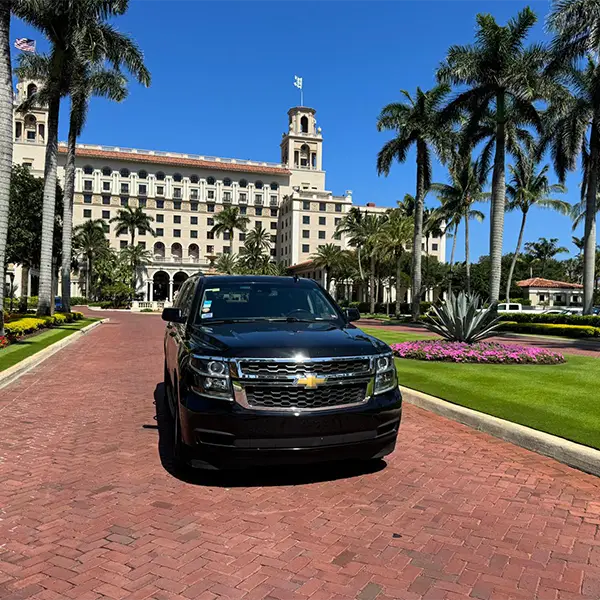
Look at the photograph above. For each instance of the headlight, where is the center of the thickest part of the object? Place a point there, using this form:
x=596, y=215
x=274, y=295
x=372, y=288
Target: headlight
x=385, y=374
x=211, y=378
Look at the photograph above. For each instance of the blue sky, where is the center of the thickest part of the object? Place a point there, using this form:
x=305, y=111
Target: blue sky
x=223, y=74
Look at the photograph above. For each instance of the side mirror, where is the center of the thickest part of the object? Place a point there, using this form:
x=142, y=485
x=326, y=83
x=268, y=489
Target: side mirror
x=352, y=314
x=173, y=315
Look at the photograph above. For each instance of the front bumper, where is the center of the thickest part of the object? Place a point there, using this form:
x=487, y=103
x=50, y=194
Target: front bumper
x=226, y=435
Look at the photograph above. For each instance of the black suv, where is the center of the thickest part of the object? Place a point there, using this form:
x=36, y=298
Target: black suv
x=263, y=370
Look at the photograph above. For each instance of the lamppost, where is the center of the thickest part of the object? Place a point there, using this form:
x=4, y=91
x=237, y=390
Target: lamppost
x=11, y=275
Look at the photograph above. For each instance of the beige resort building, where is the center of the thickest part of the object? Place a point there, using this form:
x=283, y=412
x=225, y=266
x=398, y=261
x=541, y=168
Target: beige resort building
x=184, y=192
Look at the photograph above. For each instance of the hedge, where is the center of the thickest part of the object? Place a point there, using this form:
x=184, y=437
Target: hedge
x=25, y=324
x=593, y=320
x=405, y=308
x=572, y=331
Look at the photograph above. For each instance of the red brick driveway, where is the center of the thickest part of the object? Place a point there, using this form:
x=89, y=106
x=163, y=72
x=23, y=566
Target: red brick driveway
x=88, y=511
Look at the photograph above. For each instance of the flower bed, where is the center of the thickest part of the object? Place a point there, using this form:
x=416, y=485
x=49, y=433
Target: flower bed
x=482, y=352
x=16, y=326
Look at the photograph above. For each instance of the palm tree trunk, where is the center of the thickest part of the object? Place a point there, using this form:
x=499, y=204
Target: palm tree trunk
x=467, y=257
x=372, y=284
x=6, y=141
x=88, y=277
x=398, y=273
x=45, y=303
x=231, y=241
x=360, y=269
x=67, y=232
x=498, y=202
x=24, y=288
x=513, y=262
x=418, y=233
x=589, y=236
x=132, y=236
x=452, y=253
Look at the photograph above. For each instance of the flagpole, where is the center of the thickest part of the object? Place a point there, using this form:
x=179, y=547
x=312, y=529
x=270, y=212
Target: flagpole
x=301, y=97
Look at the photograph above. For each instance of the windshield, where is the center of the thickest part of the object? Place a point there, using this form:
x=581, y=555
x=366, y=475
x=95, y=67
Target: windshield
x=284, y=301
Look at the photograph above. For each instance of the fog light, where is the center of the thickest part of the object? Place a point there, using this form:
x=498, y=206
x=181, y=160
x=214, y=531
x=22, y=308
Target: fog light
x=214, y=383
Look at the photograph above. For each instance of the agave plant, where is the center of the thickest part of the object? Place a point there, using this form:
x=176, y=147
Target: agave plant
x=459, y=319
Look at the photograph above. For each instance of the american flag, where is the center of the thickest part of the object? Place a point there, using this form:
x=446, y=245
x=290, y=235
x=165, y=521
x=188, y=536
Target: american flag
x=25, y=45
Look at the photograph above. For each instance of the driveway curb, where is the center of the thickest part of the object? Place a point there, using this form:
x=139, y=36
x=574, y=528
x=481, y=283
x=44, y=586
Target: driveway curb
x=575, y=455
x=13, y=373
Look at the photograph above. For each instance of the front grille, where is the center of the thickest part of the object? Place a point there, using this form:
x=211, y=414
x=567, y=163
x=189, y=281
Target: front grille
x=287, y=397
x=282, y=369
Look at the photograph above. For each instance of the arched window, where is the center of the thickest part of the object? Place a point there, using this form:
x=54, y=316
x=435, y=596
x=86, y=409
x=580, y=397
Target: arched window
x=210, y=180
x=159, y=250
x=31, y=89
x=88, y=169
x=124, y=172
x=143, y=174
x=227, y=182
x=304, y=124
x=177, y=177
x=259, y=185
x=274, y=185
x=194, y=179
x=160, y=176
x=106, y=171
x=243, y=183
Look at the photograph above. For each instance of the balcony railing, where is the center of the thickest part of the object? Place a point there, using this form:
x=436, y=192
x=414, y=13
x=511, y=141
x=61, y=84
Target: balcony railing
x=177, y=259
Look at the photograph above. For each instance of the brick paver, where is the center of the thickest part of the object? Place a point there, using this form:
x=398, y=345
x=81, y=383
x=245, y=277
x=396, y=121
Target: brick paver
x=87, y=510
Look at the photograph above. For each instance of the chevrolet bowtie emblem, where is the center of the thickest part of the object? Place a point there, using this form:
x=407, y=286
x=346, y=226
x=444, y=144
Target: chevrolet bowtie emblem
x=310, y=381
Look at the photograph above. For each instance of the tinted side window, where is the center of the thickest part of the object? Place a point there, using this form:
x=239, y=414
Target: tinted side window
x=184, y=298
x=513, y=307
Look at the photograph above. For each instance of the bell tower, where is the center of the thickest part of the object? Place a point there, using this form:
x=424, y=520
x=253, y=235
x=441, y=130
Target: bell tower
x=302, y=147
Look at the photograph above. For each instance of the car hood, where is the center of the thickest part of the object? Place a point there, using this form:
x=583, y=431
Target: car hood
x=284, y=340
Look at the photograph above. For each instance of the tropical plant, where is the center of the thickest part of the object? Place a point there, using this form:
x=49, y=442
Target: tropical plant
x=543, y=250
x=351, y=225
x=459, y=318
x=530, y=187
x=137, y=257
x=414, y=123
x=254, y=255
x=89, y=242
x=504, y=79
x=328, y=257
x=227, y=263
x=78, y=33
x=227, y=221
x=129, y=220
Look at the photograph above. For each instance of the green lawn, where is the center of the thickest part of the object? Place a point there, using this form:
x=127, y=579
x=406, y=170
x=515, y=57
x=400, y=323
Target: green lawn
x=557, y=399
x=16, y=352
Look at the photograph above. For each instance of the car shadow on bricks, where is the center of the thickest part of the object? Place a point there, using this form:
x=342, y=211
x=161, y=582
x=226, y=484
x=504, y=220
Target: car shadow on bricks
x=254, y=477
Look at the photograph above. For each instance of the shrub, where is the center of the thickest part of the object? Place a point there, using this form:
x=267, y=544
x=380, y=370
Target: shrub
x=20, y=327
x=3, y=341
x=481, y=352
x=459, y=319
x=77, y=316
x=593, y=320
x=573, y=331
x=75, y=300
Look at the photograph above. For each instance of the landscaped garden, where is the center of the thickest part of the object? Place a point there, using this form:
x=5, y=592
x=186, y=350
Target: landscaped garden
x=561, y=399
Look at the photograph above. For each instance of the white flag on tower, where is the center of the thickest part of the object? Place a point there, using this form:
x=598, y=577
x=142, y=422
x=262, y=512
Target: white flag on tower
x=298, y=82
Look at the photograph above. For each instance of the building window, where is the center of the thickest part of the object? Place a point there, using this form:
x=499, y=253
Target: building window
x=87, y=213
x=160, y=190
x=227, y=182
x=337, y=236
x=106, y=185
x=160, y=204
x=243, y=197
x=321, y=235
x=210, y=249
x=194, y=179
x=273, y=239
x=124, y=201
x=177, y=192
x=142, y=189
x=159, y=231
x=105, y=199
x=243, y=183
x=210, y=221
x=88, y=185
x=123, y=244
x=258, y=224
x=273, y=224
x=194, y=206
x=124, y=172
x=142, y=245
x=242, y=237
x=210, y=208
x=434, y=247
x=258, y=211
x=160, y=176
x=194, y=233
x=305, y=233
x=274, y=186
x=226, y=236
x=87, y=198
x=273, y=200
x=258, y=199
x=322, y=220
x=177, y=177
x=160, y=218
x=272, y=251
x=177, y=204
x=106, y=171
x=193, y=220
x=337, y=221
x=305, y=220
x=210, y=194
x=106, y=214
x=194, y=194
x=243, y=210
x=210, y=180
x=143, y=174
x=542, y=298
x=31, y=134
x=124, y=188
x=226, y=196
x=210, y=235
x=259, y=185
x=273, y=212
x=322, y=206
x=176, y=218
x=338, y=208
x=559, y=298
x=88, y=169
x=105, y=227
x=142, y=202
x=305, y=205
x=305, y=248
x=176, y=232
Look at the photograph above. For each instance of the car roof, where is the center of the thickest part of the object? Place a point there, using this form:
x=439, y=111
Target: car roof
x=222, y=279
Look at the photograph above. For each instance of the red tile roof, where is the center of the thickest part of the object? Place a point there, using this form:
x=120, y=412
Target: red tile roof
x=176, y=161
x=306, y=263
x=539, y=282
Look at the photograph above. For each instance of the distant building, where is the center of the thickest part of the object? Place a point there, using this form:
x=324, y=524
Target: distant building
x=547, y=292
x=184, y=192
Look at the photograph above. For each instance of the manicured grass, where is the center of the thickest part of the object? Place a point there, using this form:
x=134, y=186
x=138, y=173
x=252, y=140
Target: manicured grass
x=18, y=351
x=558, y=399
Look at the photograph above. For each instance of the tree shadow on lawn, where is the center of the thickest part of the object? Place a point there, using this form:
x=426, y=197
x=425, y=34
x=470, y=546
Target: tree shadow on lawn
x=280, y=475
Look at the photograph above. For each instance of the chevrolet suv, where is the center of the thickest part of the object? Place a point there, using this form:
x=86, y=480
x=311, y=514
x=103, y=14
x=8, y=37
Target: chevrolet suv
x=266, y=370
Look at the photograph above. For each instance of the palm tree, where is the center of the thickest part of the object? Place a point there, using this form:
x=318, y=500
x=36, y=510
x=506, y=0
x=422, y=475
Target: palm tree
x=228, y=220
x=395, y=234
x=89, y=242
x=78, y=33
x=579, y=243
x=254, y=254
x=414, y=122
x=543, y=250
x=352, y=226
x=6, y=141
x=129, y=220
x=137, y=257
x=530, y=187
x=227, y=263
x=504, y=79
x=328, y=257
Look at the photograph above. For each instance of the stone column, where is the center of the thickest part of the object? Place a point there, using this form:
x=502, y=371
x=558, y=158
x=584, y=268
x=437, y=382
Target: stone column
x=151, y=292
x=170, y=288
